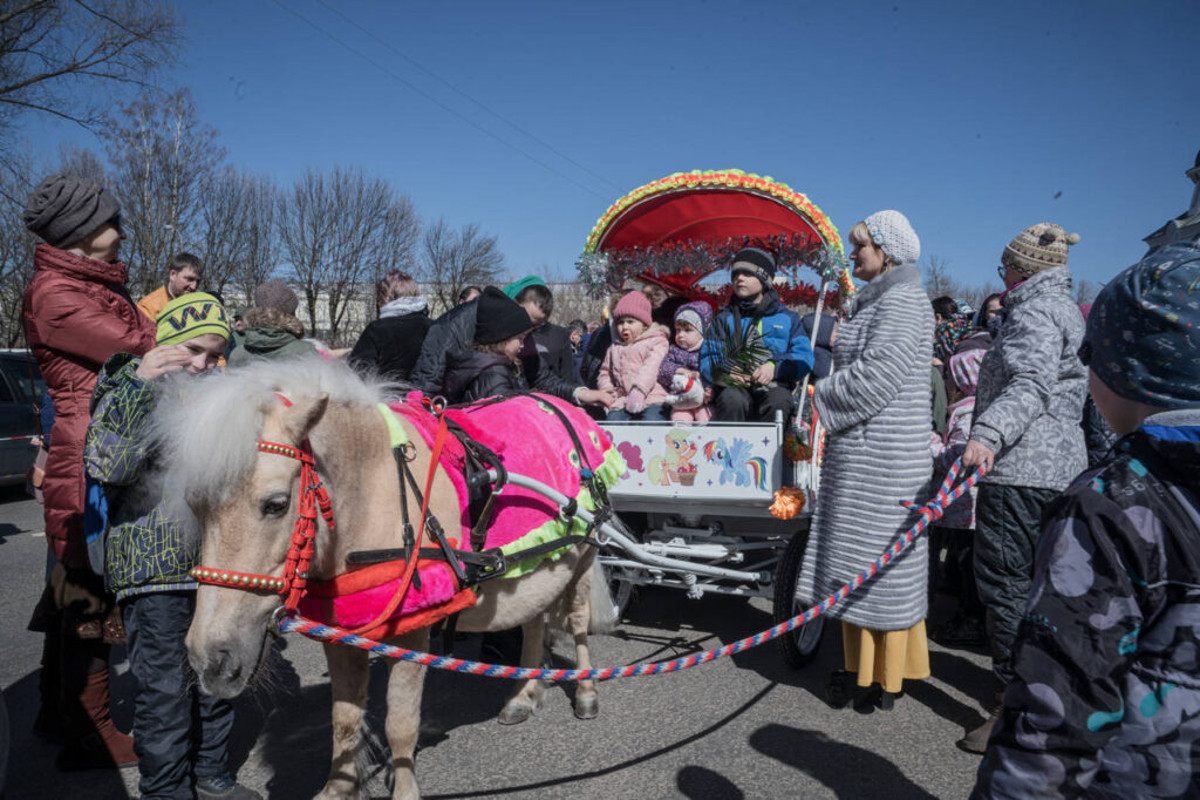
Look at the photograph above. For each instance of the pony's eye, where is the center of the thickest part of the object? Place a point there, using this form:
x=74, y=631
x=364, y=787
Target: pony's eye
x=276, y=505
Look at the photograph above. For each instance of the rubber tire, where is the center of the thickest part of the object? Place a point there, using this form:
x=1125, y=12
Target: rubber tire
x=623, y=592
x=801, y=645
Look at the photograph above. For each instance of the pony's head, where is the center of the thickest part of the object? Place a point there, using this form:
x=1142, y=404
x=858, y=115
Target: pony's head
x=715, y=451
x=243, y=503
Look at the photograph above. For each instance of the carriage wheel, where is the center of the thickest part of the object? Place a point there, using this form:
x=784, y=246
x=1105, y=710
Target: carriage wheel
x=801, y=645
x=621, y=591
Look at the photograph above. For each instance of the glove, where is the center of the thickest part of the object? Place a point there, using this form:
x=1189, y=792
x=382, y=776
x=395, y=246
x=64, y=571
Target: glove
x=635, y=402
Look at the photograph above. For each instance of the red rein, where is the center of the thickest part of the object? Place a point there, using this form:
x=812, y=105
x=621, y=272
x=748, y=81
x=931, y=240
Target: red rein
x=313, y=498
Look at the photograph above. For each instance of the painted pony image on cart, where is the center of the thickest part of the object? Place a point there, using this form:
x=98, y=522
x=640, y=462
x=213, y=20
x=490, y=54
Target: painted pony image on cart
x=698, y=495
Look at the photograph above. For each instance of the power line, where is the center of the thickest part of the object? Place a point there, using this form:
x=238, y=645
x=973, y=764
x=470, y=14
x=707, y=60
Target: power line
x=384, y=43
x=439, y=103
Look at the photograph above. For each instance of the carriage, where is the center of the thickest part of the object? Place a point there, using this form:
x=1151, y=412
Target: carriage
x=696, y=498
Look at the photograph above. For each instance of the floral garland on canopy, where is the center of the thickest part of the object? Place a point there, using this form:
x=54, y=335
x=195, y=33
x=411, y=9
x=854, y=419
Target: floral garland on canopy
x=679, y=266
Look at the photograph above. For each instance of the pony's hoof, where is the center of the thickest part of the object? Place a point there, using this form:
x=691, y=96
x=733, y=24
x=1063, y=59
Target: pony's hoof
x=515, y=714
x=587, y=707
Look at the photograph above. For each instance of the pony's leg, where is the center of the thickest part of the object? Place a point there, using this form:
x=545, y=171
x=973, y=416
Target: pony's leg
x=405, y=683
x=587, y=701
x=348, y=677
x=529, y=695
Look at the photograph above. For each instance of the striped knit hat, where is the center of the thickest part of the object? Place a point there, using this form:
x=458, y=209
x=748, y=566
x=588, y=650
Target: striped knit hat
x=189, y=316
x=1038, y=247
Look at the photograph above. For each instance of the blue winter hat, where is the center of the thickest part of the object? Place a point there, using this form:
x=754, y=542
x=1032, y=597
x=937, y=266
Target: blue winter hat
x=1143, y=333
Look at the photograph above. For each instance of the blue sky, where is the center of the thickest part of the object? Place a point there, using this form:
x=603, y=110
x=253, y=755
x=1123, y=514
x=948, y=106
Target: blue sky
x=974, y=119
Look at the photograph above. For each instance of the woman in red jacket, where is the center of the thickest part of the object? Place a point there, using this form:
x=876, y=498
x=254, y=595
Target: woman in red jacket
x=76, y=313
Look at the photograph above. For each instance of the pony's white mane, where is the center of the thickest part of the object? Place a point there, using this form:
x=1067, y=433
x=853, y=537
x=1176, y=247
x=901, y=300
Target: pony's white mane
x=207, y=427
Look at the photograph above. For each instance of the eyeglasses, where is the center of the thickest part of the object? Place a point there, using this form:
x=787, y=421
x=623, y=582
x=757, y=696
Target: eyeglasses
x=116, y=222
x=1000, y=270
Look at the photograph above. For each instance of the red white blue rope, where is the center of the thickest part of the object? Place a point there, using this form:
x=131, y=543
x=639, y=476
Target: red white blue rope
x=929, y=513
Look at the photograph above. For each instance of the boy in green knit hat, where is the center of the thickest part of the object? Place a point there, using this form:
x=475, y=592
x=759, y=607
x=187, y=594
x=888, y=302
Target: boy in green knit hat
x=180, y=734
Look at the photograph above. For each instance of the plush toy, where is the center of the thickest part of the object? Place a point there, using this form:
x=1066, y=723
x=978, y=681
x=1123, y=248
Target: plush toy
x=686, y=392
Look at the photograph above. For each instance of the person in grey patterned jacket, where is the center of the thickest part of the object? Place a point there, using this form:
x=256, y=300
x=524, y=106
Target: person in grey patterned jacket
x=1106, y=696
x=876, y=408
x=1026, y=428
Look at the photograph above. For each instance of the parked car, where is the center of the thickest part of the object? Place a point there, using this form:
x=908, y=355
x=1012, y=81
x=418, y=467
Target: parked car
x=21, y=391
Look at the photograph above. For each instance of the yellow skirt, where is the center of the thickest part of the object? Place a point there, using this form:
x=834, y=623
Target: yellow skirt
x=886, y=657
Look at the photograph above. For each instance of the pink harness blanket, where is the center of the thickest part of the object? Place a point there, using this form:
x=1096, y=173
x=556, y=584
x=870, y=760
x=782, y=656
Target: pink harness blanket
x=530, y=440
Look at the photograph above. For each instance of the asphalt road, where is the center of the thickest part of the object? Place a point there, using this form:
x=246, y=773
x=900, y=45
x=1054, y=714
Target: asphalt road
x=742, y=727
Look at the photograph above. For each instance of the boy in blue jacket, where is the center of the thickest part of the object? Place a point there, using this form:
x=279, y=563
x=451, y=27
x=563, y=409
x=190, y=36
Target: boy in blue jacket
x=756, y=351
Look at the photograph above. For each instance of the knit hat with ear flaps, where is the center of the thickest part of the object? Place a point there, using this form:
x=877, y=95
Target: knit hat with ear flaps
x=757, y=262
x=893, y=233
x=63, y=210
x=498, y=317
x=697, y=313
x=1038, y=247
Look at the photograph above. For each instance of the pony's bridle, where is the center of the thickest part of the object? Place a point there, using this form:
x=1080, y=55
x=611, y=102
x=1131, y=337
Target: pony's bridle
x=294, y=581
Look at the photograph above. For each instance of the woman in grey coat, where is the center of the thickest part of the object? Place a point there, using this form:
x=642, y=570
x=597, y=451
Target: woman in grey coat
x=876, y=406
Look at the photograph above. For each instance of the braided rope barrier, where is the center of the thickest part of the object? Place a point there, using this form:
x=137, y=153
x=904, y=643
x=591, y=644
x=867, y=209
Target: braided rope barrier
x=928, y=514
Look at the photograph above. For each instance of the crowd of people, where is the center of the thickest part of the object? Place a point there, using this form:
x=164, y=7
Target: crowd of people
x=1076, y=560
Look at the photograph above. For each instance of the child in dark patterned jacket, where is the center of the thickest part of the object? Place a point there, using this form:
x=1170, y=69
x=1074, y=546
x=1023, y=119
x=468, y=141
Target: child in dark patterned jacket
x=683, y=359
x=180, y=734
x=1106, y=702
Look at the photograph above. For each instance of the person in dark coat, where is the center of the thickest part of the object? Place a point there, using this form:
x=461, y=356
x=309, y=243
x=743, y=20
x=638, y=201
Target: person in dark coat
x=76, y=314
x=390, y=345
x=452, y=334
x=548, y=343
x=493, y=365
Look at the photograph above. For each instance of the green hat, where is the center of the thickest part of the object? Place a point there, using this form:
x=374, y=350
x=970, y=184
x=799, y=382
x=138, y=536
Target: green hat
x=190, y=316
x=518, y=286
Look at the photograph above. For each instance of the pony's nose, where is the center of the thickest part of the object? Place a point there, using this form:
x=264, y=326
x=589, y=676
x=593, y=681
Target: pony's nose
x=223, y=667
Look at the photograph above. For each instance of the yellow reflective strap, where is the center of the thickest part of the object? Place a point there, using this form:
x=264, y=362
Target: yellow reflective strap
x=396, y=432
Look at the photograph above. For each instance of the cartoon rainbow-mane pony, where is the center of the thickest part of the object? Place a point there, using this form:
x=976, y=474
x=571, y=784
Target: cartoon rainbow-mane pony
x=737, y=467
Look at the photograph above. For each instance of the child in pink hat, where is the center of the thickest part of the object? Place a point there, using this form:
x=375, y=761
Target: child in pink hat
x=631, y=364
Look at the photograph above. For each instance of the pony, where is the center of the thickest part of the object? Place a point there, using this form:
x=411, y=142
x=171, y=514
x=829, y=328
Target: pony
x=737, y=467
x=678, y=455
x=242, y=503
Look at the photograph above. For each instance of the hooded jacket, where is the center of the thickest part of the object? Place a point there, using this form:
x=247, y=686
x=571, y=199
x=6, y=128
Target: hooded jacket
x=635, y=366
x=1107, y=691
x=1031, y=387
x=76, y=314
x=270, y=334
x=453, y=332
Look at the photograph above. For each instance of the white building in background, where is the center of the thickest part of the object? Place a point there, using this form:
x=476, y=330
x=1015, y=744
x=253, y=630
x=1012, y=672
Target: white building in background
x=1185, y=227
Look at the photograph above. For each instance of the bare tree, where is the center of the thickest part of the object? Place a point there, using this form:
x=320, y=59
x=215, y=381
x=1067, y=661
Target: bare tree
x=938, y=282
x=65, y=57
x=260, y=256
x=453, y=260
x=16, y=245
x=339, y=230
x=162, y=156
x=572, y=301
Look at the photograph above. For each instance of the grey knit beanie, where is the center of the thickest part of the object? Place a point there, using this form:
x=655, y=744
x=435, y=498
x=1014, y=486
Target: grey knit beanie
x=63, y=210
x=276, y=295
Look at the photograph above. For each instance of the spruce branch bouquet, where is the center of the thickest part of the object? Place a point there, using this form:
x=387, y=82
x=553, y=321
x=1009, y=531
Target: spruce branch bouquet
x=737, y=351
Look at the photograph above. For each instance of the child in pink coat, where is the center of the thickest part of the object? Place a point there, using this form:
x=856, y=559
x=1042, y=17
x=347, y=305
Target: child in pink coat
x=631, y=364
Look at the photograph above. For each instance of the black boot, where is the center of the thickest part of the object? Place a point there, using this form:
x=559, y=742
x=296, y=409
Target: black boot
x=841, y=689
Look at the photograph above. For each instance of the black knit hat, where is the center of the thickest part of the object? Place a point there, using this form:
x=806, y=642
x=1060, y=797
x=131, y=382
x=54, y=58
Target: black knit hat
x=756, y=262
x=62, y=210
x=498, y=317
